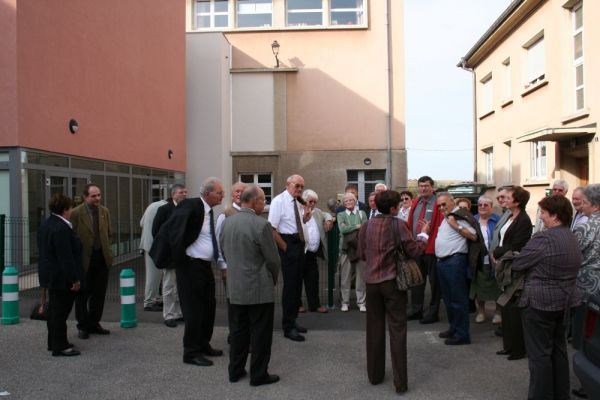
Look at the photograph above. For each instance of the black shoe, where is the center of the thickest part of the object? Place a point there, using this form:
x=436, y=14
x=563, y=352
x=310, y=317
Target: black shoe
x=267, y=380
x=199, y=361
x=415, y=316
x=99, y=330
x=180, y=319
x=580, y=393
x=513, y=357
x=171, y=323
x=69, y=346
x=153, y=307
x=68, y=352
x=446, y=334
x=301, y=329
x=429, y=320
x=498, y=331
x=82, y=334
x=503, y=352
x=294, y=335
x=234, y=379
x=401, y=391
x=456, y=341
x=209, y=351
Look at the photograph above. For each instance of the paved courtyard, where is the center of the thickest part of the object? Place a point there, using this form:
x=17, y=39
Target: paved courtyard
x=146, y=363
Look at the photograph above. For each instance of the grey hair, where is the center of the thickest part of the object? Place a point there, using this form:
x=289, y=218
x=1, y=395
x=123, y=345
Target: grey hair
x=251, y=192
x=592, y=192
x=209, y=184
x=381, y=184
x=176, y=187
x=348, y=195
x=561, y=183
x=445, y=194
x=310, y=194
x=579, y=189
x=485, y=199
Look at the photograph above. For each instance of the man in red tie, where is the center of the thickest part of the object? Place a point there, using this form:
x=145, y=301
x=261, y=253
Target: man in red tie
x=423, y=210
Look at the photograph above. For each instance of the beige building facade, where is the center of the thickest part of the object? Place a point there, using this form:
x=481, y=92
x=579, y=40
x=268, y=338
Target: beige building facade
x=332, y=109
x=536, y=96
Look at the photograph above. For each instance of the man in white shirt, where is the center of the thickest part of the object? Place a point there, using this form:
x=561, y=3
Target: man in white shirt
x=287, y=217
x=451, y=249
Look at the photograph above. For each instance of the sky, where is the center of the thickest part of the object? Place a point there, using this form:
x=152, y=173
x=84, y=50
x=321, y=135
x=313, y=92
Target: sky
x=439, y=97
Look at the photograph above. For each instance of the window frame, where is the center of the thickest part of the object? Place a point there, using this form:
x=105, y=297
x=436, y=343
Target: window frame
x=237, y=15
x=361, y=10
x=539, y=162
x=578, y=61
x=304, y=11
x=534, y=46
x=362, y=181
x=489, y=164
x=268, y=197
x=212, y=14
x=487, y=94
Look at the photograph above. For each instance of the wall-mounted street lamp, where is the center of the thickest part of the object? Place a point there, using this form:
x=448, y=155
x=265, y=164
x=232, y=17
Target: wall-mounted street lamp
x=73, y=126
x=275, y=49
x=170, y=154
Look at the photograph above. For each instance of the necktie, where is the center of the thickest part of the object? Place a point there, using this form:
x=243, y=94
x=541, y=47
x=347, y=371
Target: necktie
x=96, y=224
x=372, y=213
x=298, y=222
x=213, y=237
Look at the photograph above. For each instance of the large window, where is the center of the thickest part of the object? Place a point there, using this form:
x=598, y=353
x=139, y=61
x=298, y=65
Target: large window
x=254, y=13
x=487, y=94
x=577, y=13
x=536, y=68
x=264, y=180
x=365, y=180
x=212, y=14
x=489, y=164
x=304, y=12
x=538, y=160
x=347, y=12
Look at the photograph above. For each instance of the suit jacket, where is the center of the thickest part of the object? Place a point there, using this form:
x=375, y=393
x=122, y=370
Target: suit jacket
x=496, y=233
x=162, y=215
x=59, y=265
x=517, y=235
x=252, y=258
x=177, y=233
x=146, y=223
x=320, y=217
x=84, y=229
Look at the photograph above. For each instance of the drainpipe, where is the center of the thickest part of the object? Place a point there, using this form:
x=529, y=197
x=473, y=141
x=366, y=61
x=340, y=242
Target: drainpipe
x=390, y=87
x=463, y=65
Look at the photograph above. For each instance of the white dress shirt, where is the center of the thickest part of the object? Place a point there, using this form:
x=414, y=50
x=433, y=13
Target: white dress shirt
x=202, y=247
x=314, y=237
x=282, y=216
x=449, y=241
x=64, y=219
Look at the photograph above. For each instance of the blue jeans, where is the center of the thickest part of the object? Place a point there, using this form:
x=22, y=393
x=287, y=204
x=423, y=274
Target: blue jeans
x=452, y=275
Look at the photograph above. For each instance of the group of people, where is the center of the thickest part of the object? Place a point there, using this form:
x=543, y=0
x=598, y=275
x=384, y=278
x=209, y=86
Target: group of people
x=482, y=257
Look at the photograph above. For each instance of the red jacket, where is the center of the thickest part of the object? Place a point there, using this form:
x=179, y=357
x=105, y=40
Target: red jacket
x=436, y=220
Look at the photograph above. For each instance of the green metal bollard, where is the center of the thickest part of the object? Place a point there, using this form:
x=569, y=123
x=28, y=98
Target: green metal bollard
x=10, y=296
x=127, y=281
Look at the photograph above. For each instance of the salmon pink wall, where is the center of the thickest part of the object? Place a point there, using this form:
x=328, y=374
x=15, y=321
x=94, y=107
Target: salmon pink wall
x=8, y=72
x=117, y=67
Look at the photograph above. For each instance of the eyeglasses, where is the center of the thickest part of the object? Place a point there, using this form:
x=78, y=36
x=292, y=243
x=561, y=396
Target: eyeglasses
x=483, y=205
x=442, y=205
x=500, y=197
x=298, y=186
x=405, y=198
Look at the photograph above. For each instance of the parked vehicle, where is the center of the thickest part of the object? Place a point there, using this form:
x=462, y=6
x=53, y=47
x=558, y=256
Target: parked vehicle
x=469, y=190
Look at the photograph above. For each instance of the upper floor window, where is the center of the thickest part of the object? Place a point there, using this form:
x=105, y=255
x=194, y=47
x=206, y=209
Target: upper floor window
x=489, y=164
x=487, y=95
x=304, y=12
x=536, y=68
x=577, y=13
x=347, y=12
x=507, y=80
x=212, y=14
x=538, y=160
x=254, y=13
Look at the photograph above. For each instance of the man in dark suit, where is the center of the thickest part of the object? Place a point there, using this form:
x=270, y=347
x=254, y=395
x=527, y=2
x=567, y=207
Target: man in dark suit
x=91, y=224
x=188, y=240
x=60, y=271
x=253, y=266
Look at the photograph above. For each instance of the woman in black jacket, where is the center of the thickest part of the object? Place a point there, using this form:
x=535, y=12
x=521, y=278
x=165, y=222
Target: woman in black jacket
x=514, y=234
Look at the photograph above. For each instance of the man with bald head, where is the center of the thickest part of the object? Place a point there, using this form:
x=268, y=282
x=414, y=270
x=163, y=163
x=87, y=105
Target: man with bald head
x=287, y=217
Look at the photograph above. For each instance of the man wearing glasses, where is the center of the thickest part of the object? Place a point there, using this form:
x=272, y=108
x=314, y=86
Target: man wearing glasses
x=287, y=217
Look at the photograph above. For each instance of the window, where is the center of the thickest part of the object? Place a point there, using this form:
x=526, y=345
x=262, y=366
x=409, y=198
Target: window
x=262, y=179
x=487, y=94
x=212, y=14
x=507, y=80
x=538, y=160
x=489, y=164
x=254, y=13
x=347, y=12
x=365, y=180
x=509, y=153
x=304, y=12
x=535, y=60
x=577, y=13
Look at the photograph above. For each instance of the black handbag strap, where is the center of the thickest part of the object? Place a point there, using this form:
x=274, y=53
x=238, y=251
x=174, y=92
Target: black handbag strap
x=396, y=231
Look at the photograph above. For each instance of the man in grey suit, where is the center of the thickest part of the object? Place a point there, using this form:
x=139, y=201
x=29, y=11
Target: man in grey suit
x=253, y=265
x=153, y=274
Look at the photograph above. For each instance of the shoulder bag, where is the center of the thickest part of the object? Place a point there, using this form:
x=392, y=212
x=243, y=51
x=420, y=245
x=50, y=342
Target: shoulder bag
x=408, y=274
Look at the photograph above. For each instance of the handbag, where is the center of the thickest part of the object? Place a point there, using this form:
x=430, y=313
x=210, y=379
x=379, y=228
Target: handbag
x=40, y=310
x=408, y=274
